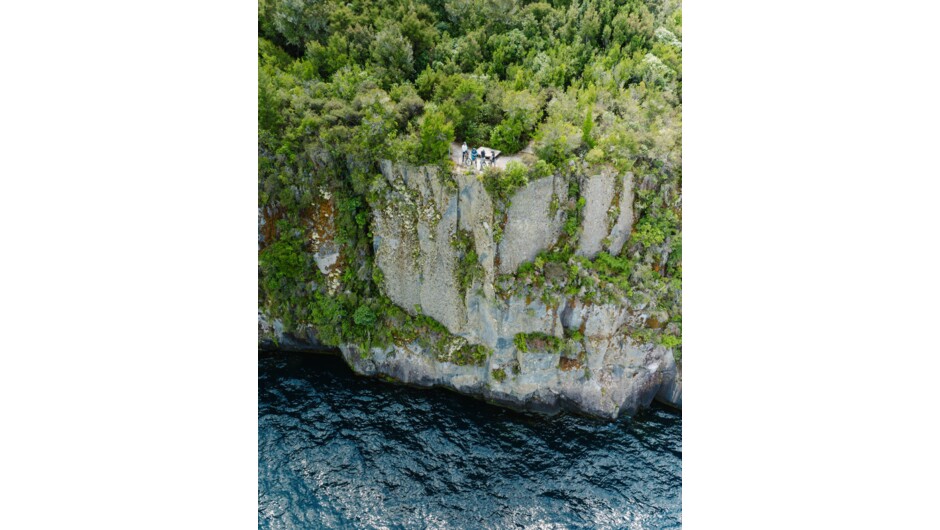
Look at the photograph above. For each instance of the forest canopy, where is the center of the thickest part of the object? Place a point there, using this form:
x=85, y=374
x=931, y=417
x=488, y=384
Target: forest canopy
x=500, y=72
x=343, y=84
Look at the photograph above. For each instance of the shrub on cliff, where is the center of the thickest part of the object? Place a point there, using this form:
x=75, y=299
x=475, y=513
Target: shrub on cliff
x=537, y=342
x=502, y=184
x=364, y=317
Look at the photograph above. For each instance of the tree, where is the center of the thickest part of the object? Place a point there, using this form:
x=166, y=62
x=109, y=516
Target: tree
x=330, y=58
x=590, y=26
x=338, y=91
x=506, y=49
x=392, y=55
x=269, y=119
x=633, y=25
x=437, y=133
x=292, y=21
x=587, y=127
x=507, y=136
x=556, y=141
x=522, y=111
x=468, y=98
x=523, y=106
x=421, y=35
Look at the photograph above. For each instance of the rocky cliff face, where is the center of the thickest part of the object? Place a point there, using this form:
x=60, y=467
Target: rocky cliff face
x=436, y=245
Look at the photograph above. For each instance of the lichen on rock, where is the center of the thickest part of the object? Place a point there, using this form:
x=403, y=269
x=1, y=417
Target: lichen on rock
x=437, y=259
x=423, y=275
x=529, y=227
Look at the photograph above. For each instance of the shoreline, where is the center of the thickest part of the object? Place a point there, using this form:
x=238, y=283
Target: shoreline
x=538, y=404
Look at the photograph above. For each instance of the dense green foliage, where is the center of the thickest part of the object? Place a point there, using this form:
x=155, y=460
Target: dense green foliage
x=537, y=342
x=470, y=354
x=343, y=84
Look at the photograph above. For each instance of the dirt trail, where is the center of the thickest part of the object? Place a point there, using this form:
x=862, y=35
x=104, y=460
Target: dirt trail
x=525, y=156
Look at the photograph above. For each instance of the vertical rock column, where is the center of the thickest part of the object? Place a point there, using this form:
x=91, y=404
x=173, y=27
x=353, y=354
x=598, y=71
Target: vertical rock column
x=532, y=226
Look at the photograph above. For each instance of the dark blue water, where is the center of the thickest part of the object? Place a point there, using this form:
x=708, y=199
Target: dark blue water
x=340, y=451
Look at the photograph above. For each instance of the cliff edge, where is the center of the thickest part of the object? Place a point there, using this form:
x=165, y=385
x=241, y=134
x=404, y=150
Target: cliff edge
x=500, y=319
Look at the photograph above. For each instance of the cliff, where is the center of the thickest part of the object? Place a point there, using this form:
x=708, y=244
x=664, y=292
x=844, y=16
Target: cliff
x=503, y=322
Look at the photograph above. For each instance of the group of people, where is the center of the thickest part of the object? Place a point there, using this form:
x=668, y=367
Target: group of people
x=477, y=158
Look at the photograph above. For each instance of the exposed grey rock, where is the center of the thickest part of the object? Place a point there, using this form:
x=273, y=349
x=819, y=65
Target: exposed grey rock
x=412, y=241
x=598, y=191
x=415, y=219
x=326, y=256
x=519, y=315
x=530, y=227
x=617, y=377
x=626, y=377
x=670, y=392
x=272, y=336
x=475, y=213
x=481, y=326
x=624, y=225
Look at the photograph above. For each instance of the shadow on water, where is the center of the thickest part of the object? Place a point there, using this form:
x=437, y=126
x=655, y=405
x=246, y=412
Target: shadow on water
x=337, y=450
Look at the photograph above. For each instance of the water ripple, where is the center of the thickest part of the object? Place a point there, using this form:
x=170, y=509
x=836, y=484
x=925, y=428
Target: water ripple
x=340, y=451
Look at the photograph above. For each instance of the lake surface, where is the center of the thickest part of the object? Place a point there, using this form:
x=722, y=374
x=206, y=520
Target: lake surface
x=336, y=450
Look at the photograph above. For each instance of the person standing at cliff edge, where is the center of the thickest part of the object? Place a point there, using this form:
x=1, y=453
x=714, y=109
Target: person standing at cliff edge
x=463, y=154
